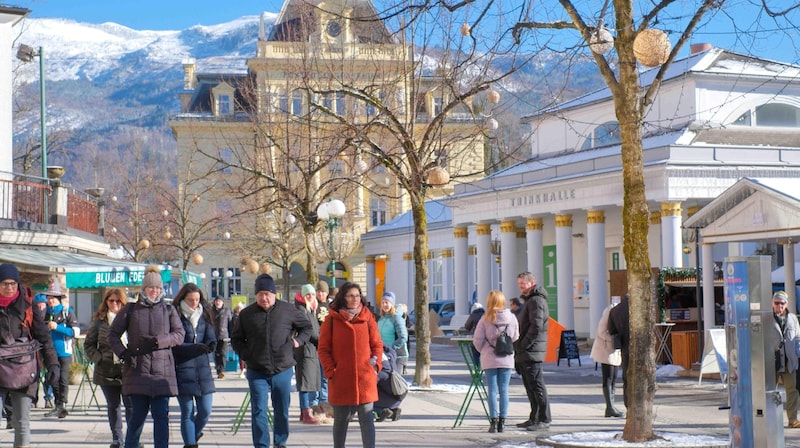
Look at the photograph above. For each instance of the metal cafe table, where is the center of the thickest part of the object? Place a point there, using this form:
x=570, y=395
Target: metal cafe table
x=476, y=380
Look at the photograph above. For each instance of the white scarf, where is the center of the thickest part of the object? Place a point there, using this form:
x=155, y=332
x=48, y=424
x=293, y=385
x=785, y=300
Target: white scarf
x=123, y=337
x=192, y=314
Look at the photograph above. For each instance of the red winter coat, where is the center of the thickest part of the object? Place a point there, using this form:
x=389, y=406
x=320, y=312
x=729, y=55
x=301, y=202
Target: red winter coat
x=352, y=380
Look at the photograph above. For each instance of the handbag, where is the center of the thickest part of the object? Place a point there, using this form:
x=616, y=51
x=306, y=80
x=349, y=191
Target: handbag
x=399, y=384
x=18, y=364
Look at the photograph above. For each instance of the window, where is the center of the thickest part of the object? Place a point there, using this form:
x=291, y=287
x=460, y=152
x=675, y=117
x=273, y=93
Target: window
x=773, y=114
x=341, y=104
x=283, y=101
x=606, y=134
x=438, y=106
x=224, y=103
x=297, y=103
x=327, y=101
x=336, y=166
x=226, y=154
x=369, y=110
x=224, y=285
x=377, y=212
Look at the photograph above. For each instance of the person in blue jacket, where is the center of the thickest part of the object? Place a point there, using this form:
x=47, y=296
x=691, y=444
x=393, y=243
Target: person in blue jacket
x=63, y=326
x=192, y=368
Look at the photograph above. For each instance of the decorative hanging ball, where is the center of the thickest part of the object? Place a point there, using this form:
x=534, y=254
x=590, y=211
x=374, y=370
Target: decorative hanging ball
x=361, y=167
x=167, y=234
x=465, y=29
x=492, y=124
x=252, y=266
x=264, y=268
x=197, y=258
x=601, y=41
x=144, y=244
x=493, y=97
x=438, y=176
x=651, y=47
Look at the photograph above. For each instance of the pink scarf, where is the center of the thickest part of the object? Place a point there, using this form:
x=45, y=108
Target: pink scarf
x=6, y=301
x=350, y=314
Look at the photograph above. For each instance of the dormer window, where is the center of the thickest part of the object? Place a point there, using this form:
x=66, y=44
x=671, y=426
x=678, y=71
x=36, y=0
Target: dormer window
x=773, y=114
x=606, y=134
x=222, y=98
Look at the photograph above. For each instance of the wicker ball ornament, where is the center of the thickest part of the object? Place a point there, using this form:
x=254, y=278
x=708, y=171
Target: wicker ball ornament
x=252, y=266
x=601, y=41
x=651, y=47
x=493, y=97
x=438, y=176
x=465, y=29
x=197, y=259
x=144, y=244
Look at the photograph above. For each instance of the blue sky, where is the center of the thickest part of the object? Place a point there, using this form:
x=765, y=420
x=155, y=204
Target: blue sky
x=741, y=26
x=148, y=14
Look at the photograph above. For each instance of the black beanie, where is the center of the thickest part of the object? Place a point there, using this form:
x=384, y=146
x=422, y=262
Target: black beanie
x=265, y=283
x=9, y=272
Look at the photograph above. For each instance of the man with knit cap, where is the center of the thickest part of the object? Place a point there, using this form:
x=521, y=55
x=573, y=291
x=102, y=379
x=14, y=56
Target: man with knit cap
x=265, y=337
x=16, y=325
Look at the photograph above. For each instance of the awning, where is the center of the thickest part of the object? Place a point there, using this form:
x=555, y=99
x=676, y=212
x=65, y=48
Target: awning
x=82, y=271
x=191, y=277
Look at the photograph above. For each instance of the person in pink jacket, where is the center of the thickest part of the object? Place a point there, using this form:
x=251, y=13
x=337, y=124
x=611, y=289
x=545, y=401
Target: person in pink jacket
x=497, y=319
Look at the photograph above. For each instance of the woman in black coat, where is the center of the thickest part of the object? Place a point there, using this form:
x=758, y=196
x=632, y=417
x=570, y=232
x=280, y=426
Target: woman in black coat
x=195, y=383
x=107, y=367
x=388, y=404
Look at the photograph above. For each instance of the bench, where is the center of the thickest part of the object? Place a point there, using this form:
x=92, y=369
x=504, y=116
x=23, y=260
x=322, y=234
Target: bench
x=456, y=325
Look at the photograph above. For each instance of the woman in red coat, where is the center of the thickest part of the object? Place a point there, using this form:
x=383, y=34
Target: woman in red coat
x=351, y=364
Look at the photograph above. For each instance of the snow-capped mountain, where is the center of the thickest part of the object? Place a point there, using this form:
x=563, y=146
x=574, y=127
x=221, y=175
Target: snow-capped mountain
x=107, y=84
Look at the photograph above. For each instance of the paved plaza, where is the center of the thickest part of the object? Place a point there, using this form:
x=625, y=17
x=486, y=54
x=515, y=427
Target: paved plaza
x=682, y=405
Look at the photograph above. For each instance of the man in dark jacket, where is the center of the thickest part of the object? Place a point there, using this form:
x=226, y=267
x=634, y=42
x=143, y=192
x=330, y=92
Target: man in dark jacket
x=530, y=350
x=265, y=337
x=222, y=319
x=619, y=329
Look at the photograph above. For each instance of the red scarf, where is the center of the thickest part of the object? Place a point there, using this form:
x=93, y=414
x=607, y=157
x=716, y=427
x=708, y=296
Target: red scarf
x=350, y=314
x=6, y=301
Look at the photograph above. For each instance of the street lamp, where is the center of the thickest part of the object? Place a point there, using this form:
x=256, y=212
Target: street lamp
x=26, y=53
x=331, y=212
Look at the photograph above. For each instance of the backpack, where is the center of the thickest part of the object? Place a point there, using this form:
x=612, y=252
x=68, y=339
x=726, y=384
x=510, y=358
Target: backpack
x=504, y=346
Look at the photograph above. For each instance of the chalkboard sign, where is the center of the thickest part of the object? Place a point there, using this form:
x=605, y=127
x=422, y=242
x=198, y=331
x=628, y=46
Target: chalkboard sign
x=568, y=348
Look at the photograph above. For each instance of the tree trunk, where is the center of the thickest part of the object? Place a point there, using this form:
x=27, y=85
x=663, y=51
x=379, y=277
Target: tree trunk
x=422, y=375
x=636, y=222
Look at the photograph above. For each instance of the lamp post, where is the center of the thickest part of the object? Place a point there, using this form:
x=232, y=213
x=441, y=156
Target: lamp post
x=331, y=212
x=26, y=53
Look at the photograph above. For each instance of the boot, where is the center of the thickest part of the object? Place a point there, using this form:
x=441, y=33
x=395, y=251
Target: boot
x=396, y=414
x=58, y=411
x=608, y=395
x=307, y=418
x=493, y=425
x=501, y=424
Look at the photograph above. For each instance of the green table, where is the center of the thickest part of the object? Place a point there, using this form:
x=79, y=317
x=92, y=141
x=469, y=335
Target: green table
x=476, y=380
x=243, y=408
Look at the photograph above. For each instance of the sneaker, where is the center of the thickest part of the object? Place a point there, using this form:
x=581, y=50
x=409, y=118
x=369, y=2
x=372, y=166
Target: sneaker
x=62, y=412
x=221, y=375
x=243, y=373
x=794, y=424
x=48, y=404
x=515, y=376
x=541, y=426
x=115, y=444
x=383, y=415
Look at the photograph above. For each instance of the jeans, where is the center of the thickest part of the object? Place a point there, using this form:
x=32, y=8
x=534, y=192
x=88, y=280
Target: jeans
x=498, y=380
x=220, y=356
x=533, y=380
x=322, y=395
x=307, y=399
x=115, y=400
x=62, y=392
x=341, y=420
x=194, y=416
x=280, y=385
x=20, y=415
x=140, y=406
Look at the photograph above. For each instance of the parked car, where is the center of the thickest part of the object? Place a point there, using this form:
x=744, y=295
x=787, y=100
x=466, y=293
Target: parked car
x=444, y=308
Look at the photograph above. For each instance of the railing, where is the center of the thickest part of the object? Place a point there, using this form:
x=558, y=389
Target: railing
x=33, y=200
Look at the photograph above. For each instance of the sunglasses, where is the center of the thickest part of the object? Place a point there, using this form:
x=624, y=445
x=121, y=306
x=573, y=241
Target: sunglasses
x=113, y=301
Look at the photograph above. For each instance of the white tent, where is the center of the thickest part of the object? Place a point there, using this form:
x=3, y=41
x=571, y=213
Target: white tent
x=777, y=274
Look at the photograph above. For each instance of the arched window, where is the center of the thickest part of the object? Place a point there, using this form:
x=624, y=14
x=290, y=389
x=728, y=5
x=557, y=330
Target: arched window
x=772, y=115
x=604, y=135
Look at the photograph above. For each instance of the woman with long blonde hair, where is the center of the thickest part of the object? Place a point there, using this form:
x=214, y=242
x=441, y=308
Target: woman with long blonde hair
x=497, y=320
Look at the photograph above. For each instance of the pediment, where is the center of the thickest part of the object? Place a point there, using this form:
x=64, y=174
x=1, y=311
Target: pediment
x=749, y=211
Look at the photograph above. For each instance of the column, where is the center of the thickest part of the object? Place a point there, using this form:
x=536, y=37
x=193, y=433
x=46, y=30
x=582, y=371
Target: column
x=535, y=249
x=707, y=259
x=566, y=315
x=372, y=281
x=789, y=275
x=671, y=254
x=508, y=258
x=460, y=253
x=472, y=281
x=484, y=261
x=688, y=259
x=654, y=238
x=596, y=240
x=447, y=274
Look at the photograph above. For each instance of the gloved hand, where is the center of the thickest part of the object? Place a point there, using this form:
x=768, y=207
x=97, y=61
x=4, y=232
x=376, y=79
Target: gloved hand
x=202, y=349
x=147, y=345
x=212, y=347
x=53, y=375
x=125, y=357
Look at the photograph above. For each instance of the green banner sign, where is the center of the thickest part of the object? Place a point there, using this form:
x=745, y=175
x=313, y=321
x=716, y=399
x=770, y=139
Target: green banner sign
x=109, y=279
x=549, y=280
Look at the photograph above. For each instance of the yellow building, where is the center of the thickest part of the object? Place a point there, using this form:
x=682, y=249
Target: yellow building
x=264, y=147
